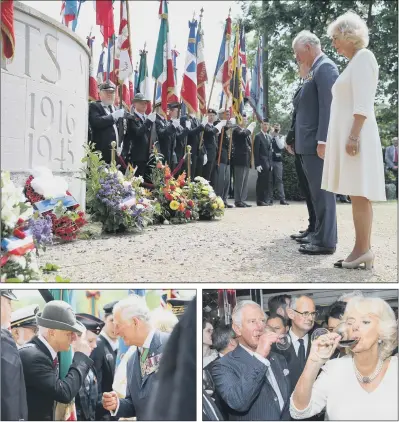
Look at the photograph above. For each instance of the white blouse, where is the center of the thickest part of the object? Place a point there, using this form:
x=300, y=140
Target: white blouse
x=337, y=390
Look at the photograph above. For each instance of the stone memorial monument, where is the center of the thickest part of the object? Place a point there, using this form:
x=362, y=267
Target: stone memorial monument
x=44, y=100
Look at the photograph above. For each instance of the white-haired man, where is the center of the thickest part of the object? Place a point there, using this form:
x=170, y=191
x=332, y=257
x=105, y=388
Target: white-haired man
x=132, y=323
x=252, y=380
x=311, y=127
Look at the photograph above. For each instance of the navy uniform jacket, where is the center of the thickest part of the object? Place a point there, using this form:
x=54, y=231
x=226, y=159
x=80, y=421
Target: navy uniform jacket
x=43, y=387
x=263, y=151
x=224, y=155
x=136, y=145
x=242, y=147
x=139, y=389
x=166, y=134
x=210, y=141
x=241, y=381
x=88, y=398
x=13, y=392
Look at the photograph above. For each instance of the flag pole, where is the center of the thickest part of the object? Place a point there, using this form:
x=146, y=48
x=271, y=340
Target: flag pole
x=227, y=97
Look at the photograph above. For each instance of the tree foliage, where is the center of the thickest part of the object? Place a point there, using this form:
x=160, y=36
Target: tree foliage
x=278, y=21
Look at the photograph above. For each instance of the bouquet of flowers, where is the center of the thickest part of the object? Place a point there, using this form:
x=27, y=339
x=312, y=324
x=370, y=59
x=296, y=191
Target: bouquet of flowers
x=209, y=205
x=112, y=199
x=17, y=258
x=172, y=195
x=50, y=196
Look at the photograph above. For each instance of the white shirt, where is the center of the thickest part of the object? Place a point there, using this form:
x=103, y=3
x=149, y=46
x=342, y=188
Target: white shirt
x=142, y=116
x=146, y=345
x=269, y=375
x=51, y=350
x=337, y=390
x=114, y=343
x=295, y=341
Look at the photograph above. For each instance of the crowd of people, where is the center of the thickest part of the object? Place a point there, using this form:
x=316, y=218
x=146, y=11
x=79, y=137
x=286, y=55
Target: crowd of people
x=246, y=376
x=37, y=385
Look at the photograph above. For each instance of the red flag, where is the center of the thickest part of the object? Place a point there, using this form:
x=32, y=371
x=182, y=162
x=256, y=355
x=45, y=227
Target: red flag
x=105, y=18
x=93, y=92
x=7, y=29
x=202, y=76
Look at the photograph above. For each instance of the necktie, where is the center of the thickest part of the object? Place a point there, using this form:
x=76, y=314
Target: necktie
x=301, y=353
x=56, y=366
x=110, y=109
x=273, y=382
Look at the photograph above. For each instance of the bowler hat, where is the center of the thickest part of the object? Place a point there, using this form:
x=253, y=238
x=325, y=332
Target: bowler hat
x=59, y=315
x=107, y=86
x=91, y=322
x=8, y=294
x=139, y=97
x=24, y=317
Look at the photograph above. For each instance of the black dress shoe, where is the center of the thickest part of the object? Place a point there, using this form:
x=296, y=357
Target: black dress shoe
x=305, y=240
x=345, y=200
x=310, y=249
x=262, y=204
x=239, y=205
x=227, y=205
x=284, y=203
x=247, y=205
x=302, y=234
x=270, y=202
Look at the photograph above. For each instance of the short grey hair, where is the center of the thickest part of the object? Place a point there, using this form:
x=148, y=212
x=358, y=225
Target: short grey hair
x=133, y=307
x=351, y=295
x=306, y=37
x=294, y=300
x=350, y=27
x=237, y=311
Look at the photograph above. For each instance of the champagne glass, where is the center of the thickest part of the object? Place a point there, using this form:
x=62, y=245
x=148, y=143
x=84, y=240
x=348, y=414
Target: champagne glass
x=325, y=348
x=344, y=329
x=284, y=340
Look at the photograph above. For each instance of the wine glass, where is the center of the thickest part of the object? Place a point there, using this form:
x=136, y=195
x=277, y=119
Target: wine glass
x=284, y=340
x=344, y=329
x=325, y=347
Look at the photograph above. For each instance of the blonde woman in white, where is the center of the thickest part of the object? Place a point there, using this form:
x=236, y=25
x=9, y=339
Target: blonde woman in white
x=353, y=162
x=362, y=385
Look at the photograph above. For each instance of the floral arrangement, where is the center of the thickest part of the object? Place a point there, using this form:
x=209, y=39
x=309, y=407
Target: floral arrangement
x=172, y=195
x=117, y=202
x=18, y=248
x=66, y=220
x=209, y=205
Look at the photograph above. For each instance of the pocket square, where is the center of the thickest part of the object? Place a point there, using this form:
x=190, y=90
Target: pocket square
x=286, y=372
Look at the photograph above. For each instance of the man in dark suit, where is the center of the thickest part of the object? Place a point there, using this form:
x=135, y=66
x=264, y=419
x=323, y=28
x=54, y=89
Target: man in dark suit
x=263, y=163
x=303, y=182
x=13, y=392
x=302, y=313
x=136, y=145
x=131, y=317
x=221, y=172
x=242, y=160
x=210, y=142
x=311, y=127
x=57, y=330
x=88, y=398
x=253, y=380
x=103, y=120
x=223, y=341
x=104, y=356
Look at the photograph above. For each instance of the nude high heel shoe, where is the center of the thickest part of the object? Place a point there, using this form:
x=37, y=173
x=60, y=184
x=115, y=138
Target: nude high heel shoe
x=367, y=259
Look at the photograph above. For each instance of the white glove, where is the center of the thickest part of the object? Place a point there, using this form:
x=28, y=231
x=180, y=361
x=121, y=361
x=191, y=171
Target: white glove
x=188, y=124
x=175, y=123
x=251, y=127
x=205, y=159
x=152, y=117
x=223, y=122
x=259, y=168
x=204, y=121
x=117, y=114
x=232, y=121
x=219, y=127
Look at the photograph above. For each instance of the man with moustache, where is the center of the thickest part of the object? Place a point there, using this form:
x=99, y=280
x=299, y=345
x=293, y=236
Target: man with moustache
x=13, y=392
x=58, y=328
x=131, y=317
x=104, y=356
x=253, y=380
x=23, y=324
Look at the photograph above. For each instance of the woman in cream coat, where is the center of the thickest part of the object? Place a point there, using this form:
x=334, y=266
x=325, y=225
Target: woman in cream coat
x=353, y=163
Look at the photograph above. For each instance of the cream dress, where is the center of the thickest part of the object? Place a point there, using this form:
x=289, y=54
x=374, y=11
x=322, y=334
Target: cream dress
x=338, y=391
x=354, y=93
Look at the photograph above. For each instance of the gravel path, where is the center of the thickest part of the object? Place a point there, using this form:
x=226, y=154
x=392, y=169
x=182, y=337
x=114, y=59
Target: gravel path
x=247, y=245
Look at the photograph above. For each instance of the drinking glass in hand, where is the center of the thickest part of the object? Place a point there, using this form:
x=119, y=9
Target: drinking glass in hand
x=344, y=329
x=284, y=340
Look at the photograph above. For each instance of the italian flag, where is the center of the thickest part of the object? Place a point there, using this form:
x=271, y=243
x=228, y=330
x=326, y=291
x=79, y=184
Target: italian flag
x=163, y=71
x=143, y=80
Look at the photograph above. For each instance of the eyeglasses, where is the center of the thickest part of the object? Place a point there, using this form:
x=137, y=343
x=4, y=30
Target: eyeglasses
x=312, y=315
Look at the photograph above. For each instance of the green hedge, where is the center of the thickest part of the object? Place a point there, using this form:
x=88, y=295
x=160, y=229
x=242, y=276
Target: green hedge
x=290, y=179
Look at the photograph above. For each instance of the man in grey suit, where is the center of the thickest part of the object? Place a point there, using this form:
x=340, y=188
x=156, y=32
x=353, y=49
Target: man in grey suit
x=131, y=319
x=311, y=127
x=252, y=380
x=263, y=164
